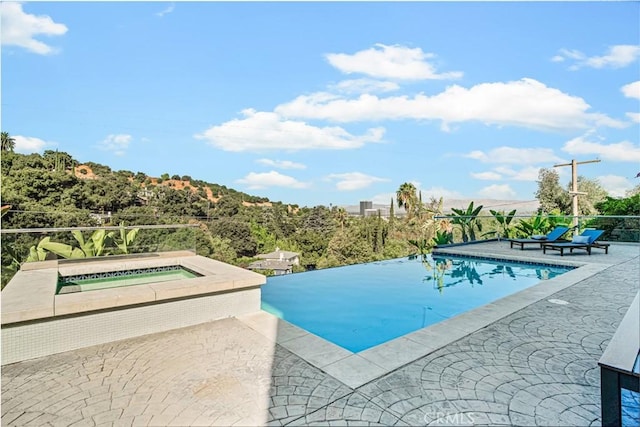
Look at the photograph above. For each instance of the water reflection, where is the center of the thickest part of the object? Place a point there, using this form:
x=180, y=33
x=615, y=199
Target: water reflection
x=457, y=271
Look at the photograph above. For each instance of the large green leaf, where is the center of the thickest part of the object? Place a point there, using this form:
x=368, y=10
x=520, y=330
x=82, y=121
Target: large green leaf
x=61, y=249
x=85, y=246
x=36, y=254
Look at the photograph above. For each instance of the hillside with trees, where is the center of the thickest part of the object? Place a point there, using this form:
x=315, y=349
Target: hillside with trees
x=55, y=190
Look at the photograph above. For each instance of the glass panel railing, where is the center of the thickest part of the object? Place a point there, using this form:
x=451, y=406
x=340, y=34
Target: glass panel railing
x=21, y=246
x=616, y=228
x=461, y=229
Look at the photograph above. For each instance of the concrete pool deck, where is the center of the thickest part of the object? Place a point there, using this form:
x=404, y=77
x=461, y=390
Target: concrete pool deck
x=533, y=365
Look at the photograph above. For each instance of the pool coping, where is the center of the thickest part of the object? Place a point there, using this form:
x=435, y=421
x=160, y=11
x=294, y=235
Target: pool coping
x=31, y=293
x=358, y=369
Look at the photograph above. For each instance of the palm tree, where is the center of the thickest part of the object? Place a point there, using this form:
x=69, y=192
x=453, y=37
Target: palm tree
x=341, y=216
x=8, y=143
x=406, y=197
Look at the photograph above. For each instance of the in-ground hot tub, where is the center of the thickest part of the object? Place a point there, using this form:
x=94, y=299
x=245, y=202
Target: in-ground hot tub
x=118, y=279
x=38, y=321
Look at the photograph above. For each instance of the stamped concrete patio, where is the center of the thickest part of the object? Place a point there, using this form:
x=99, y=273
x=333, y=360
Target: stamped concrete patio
x=535, y=366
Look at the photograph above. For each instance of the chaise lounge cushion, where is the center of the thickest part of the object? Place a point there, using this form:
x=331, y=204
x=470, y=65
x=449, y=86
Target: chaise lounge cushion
x=580, y=239
x=539, y=237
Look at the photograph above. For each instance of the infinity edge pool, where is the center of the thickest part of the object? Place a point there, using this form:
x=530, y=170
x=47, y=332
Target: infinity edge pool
x=356, y=369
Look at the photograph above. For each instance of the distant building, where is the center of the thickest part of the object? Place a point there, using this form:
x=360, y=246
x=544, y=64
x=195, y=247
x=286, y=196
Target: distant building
x=281, y=262
x=371, y=212
x=101, y=218
x=364, y=205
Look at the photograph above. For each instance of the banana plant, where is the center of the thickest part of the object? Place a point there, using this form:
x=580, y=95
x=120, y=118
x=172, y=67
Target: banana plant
x=100, y=243
x=422, y=245
x=126, y=238
x=468, y=221
x=438, y=271
x=442, y=238
x=537, y=224
x=63, y=250
x=504, y=221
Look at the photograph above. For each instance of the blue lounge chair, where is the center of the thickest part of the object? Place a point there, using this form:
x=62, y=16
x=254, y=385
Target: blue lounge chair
x=539, y=240
x=586, y=240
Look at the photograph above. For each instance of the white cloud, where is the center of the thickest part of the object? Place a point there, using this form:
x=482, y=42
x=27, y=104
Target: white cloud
x=364, y=86
x=390, y=62
x=615, y=185
x=511, y=155
x=166, y=10
x=486, y=176
x=617, y=56
x=117, y=144
x=263, y=131
x=281, y=164
x=255, y=181
x=528, y=173
x=354, y=180
x=526, y=103
x=635, y=117
x=30, y=144
x=570, y=54
x=632, y=90
x=20, y=29
x=624, y=151
x=498, y=191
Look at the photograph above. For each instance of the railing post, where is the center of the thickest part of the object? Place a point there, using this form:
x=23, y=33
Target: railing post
x=610, y=400
x=618, y=366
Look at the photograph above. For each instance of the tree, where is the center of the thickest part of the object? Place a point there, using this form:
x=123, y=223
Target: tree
x=622, y=226
x=222, y=250
x=635, y=190
x=341, y=216
x=628, y=206
x=550, y=193
x=595, y=194
x=406, y=197
x=265, y=241
x=228, y=206
x=239, y=234
x=347, y=247
x=8, y=142
x=311, y=244
x=59, y=161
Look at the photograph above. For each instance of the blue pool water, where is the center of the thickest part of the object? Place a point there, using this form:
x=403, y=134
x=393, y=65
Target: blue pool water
x=361, y=306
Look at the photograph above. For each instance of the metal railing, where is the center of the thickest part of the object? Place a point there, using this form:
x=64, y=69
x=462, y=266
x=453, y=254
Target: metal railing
x=619, y=368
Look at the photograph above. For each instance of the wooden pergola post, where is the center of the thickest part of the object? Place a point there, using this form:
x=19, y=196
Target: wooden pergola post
x=574, y=189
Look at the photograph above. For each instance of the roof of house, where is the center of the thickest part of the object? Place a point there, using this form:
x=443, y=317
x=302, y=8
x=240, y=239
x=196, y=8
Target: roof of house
x=270, y=265
x=276, y=255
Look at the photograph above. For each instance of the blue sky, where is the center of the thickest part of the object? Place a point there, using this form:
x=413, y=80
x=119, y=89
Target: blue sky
x=319, y=103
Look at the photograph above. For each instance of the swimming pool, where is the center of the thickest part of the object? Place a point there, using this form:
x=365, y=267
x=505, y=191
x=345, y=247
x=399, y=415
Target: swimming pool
x=361, y=306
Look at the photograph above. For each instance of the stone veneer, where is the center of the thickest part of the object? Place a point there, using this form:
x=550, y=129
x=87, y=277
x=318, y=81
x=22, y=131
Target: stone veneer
x=37, y=322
